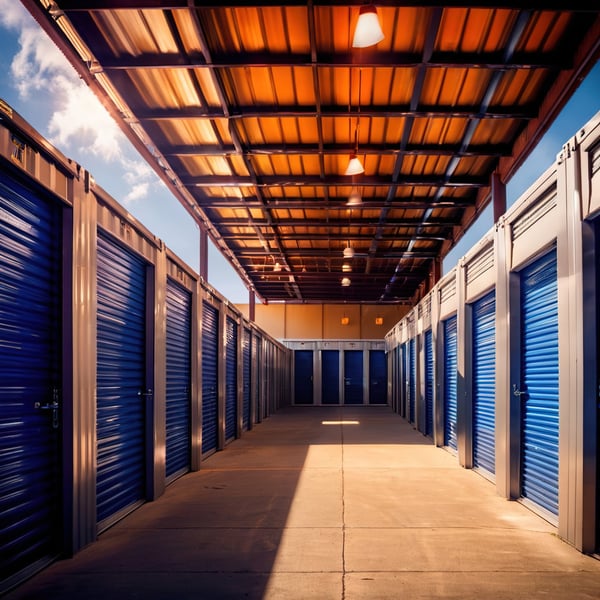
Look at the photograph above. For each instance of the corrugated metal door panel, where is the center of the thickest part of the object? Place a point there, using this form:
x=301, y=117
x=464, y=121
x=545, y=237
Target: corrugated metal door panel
x=303, y=379
x=120, y=407
x=428, y=383
x=330, y=377
x=484, y=383
x=179, y=351
x=539, y=369
x=231, y=337
x=377, y=377
x=258, y=380
x=412, y=380
x=30, y=350
x=405, y=380
x=353, y=377
x=450, y=381
x=210, y=346
x=246, y=353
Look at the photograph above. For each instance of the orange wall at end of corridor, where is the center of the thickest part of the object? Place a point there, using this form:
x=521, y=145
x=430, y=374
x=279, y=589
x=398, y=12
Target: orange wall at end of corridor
x=326, y=321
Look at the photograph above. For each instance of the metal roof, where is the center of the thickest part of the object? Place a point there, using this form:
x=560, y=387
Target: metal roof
x=249, y=113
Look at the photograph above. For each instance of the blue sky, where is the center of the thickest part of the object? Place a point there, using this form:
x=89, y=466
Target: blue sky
x=39, y=84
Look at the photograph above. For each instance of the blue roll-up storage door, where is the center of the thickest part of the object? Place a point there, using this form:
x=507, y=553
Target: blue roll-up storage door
x=353, y=377
x=30, y=366
x=121, y=393
x=330, y=377
x=210, y=346
x=405, y=381
x=178, y=350
x=412, y=380
x=246, y=373
x=303, y=377
x=428, y=383
x=377, y=377
x=231, y=365
x=258, y=380
x=450, y=382
x=539, y=372
x=484, y=383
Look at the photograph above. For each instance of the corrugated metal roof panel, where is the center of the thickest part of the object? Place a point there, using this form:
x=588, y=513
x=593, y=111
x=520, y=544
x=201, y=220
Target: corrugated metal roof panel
x=251, y=112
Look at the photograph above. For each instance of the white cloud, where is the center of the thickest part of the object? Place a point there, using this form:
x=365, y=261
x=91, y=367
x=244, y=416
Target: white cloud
x=13, y=15
x=138, y=191
x=80, y=122
x=77, y=123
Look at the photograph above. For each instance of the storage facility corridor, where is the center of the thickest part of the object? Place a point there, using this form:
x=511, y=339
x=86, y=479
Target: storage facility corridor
x=326, y=503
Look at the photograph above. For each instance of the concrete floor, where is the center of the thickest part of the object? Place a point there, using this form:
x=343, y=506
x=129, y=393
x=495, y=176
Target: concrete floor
x=299, y=508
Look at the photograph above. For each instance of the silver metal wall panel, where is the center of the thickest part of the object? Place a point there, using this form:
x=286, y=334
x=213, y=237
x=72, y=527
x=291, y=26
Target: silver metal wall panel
x=588, y=149
x=479, y=269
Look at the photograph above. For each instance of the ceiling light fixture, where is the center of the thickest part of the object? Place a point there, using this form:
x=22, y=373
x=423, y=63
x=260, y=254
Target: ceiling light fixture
x=368, y=30
x=354, y=167
x=276, y=267
x=354, y=198
x=348, y=251
x=347, y=268
x=345, y=281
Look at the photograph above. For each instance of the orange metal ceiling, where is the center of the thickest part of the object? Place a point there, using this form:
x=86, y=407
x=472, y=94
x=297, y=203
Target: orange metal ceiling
x=249, y=112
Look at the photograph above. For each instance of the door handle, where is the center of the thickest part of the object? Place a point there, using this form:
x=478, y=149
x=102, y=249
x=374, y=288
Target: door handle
x=148, y=392
x=516, y=391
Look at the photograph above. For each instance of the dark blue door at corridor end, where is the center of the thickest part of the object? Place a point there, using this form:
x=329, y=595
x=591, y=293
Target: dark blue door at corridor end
x=303, y=377
x=330, y=377
x=377, y=377
x=353, y=377
x=30, y=367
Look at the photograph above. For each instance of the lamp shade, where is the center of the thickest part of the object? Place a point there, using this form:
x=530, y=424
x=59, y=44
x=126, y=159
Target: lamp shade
x=345, y=281
x=276, y=267
x=354, y=166
x=348, y=252
x=354, y=198
x=368, y=29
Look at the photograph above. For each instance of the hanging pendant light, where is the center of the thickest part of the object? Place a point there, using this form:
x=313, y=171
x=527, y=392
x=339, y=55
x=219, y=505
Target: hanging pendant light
x=347, y=268
x=348, y=251
x=345, y=281
x=368, y=30
x=354, y=198
x=354, y=166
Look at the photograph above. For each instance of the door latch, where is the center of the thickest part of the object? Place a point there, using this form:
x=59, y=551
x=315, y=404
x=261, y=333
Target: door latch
x=53, y=406
x=516, y=391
